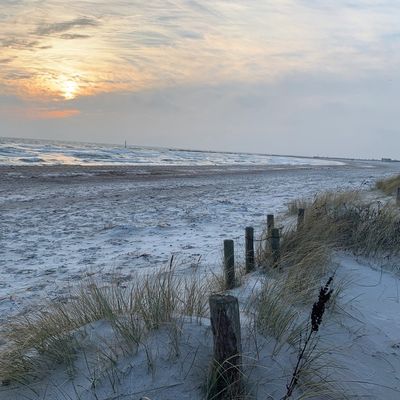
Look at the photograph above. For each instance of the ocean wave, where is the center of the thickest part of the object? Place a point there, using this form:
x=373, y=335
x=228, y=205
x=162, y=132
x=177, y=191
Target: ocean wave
x=29, y=160
x=40, y=152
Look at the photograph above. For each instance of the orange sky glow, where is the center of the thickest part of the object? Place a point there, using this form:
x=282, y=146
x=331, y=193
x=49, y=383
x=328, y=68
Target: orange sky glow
x=52, y=53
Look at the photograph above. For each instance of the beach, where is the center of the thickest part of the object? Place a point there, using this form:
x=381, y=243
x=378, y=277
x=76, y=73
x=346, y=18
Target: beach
x=63, y=223
x=69, y=227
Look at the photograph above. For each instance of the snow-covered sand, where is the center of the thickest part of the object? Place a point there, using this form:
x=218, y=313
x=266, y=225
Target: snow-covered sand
x=366, y=336
x=359, y=343
x=56, y=228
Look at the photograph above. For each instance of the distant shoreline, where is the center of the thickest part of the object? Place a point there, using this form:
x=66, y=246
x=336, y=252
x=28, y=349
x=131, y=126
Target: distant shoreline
x=213, y=151
x=36, y=152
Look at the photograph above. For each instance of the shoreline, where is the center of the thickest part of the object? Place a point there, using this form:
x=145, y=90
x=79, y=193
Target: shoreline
x=151, y=172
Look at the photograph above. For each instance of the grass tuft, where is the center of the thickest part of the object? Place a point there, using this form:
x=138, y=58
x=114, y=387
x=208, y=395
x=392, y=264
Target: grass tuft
x=39, y=340
x=388, y=185
x=340, y=221
x=275, y=317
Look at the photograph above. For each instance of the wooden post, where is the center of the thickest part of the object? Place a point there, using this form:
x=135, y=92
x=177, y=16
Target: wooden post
x=225, y=326
x=275, y=246
x=229, y=264
x=300, y=218
x=270, y=224
x=249, y=239
x=398, y=196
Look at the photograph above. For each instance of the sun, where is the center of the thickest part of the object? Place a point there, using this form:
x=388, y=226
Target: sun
x=69, y=89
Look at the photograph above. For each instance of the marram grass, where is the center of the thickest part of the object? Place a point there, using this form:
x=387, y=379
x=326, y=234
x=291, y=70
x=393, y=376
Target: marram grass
x=39, y=340
x=389, y=185
x=340, y=221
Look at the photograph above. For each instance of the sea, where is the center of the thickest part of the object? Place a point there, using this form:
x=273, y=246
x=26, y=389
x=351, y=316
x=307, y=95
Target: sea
x=14, y=152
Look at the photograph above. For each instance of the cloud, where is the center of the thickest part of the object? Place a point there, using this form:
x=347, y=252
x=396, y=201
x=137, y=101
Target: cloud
x=51, y=114
x=309, y=114
x=191, y=35
x=16, y=75
x=150, y=39
x=201, y=8
x=19, y=43
x=5, y=60
x=35, y=113
x=138, y=45
x=304, y=114
x=73, y=36
x=8, y=100
x=58, y=27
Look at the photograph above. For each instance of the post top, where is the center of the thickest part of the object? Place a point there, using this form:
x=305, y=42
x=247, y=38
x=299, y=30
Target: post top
x=222, y=298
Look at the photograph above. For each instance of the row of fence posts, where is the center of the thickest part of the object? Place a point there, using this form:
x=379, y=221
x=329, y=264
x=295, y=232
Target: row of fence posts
x=224, y=309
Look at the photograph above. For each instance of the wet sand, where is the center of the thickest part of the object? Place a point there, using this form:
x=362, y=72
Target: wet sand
x=69, y=173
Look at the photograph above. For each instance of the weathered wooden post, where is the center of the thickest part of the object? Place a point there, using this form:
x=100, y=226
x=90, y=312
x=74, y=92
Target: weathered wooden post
x=300, y=218
x=398, y=196
x=275, y=246
x=229, y=264
x=225, y=325
x=249, y=239
x=270, y=224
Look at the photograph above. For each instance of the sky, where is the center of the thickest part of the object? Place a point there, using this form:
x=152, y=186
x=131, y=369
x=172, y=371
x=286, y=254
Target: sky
x=301, y=77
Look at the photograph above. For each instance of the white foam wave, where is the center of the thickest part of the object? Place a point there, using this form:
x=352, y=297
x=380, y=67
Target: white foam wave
x=40, y=152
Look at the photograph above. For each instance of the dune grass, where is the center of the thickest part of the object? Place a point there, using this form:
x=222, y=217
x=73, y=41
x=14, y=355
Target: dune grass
x=333, y=221
x=41, y=339
x=340, y=221
x=388, y=185
x=275, y=317
x=222, y=385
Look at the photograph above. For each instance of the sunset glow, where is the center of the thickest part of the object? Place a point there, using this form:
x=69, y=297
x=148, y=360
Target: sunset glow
x=130, y=47
x=69, y=88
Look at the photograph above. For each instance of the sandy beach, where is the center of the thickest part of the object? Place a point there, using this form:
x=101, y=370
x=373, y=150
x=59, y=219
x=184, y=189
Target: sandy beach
x=60, y=223
x=64, y=225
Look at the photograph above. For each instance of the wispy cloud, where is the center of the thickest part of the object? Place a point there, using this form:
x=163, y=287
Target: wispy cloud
x=17, y=75
x=18, y=43
x=191, y=35
x=150, y=39
x=73, y=36
x=132, y=46
x=58, y=27
x=51, y=114
x=39, y=113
